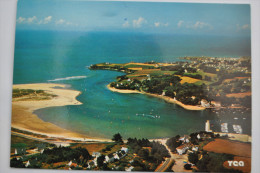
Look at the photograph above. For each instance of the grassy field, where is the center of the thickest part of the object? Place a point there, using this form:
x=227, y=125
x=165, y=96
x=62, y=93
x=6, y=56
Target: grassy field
x=17, y=141
x=188, y=80
x=229, y=147
x=94, y=147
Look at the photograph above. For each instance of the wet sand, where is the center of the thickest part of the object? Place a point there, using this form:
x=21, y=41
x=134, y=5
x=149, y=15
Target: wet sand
x=23, y=117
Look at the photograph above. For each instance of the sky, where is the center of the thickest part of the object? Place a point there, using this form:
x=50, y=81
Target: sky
x=148, y=17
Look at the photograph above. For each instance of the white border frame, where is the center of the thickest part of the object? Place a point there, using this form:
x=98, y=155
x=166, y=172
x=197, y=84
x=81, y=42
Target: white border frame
x=7, y=33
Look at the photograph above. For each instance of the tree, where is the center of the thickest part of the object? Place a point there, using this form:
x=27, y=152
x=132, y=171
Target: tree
x=144, y=153
x=117, y=138
x=193, y=158
x=100, y=161
x=187, y=166
x=16, y=163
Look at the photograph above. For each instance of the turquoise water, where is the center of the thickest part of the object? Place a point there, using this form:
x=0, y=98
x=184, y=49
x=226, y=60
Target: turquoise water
x=50, y=56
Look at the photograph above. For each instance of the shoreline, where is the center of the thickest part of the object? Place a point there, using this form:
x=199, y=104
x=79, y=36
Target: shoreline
x=24, y=118
x=166, y=98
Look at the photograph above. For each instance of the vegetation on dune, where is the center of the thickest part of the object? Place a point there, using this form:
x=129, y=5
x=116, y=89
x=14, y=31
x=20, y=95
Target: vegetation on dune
x=30, y=94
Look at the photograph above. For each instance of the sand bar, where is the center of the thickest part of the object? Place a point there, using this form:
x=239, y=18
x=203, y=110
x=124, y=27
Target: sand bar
x=23, y=117
x=166, y=98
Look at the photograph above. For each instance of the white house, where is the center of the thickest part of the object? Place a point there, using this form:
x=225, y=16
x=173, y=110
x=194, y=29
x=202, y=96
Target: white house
x=27, y=164
x=95, y=161
x=69, y=163
x=182, y=149
x=109, y=158
x=185, y=139
x=129, y=169
x=124, y=149
x=195, y=148
x=116, y=156
x=96, y=154
x=20, y=151
x=204, y=103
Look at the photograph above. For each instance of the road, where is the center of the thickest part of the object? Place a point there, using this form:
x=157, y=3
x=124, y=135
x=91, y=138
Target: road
x=168, y=162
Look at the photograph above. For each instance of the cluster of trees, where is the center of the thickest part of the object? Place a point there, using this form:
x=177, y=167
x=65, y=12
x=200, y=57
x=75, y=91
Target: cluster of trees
x=157, y=153
x=133, y=85
x=118, y=138
x=110, y=67
x=173, y=143
x=187, y=93
x=196, y=76
x=57, y=154
x=157, y=84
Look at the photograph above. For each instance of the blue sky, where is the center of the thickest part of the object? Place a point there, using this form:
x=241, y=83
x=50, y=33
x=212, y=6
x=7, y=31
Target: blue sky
x=149, y=17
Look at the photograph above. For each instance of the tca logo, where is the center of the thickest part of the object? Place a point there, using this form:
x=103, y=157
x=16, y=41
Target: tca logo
x=236, y=163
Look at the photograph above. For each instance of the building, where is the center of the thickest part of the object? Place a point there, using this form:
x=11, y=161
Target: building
x=20, y=151
x=182, y=149
x=124, y=149
x=109, y=158
x=207, y=126
x=129, y=169
x=96, y=154
x=204, y=103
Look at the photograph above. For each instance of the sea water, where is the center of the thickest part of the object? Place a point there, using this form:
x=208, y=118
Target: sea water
x=63, y=57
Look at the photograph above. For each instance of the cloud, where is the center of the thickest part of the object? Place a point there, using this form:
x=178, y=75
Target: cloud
x=69, y=23
x=21, y=20
x=179, y=24
x=158, y=24
x=137, y=23
x=31, y=19
x=201, y=25
x=126, y=24
x=59, y=22
x=196, y=25
x=47, y=19
x=243, y=27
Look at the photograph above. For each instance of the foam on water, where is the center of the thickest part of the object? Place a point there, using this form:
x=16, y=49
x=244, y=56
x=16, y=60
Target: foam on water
x=68, y=78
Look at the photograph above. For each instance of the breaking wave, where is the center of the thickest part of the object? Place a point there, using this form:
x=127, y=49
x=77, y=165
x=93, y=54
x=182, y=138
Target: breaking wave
x=68, y=78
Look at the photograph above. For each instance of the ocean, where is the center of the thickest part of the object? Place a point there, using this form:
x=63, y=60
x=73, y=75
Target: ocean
x=63, y=57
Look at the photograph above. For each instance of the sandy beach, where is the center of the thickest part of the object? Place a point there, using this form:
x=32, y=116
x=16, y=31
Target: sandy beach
x=166, y=98
x=23, y=117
